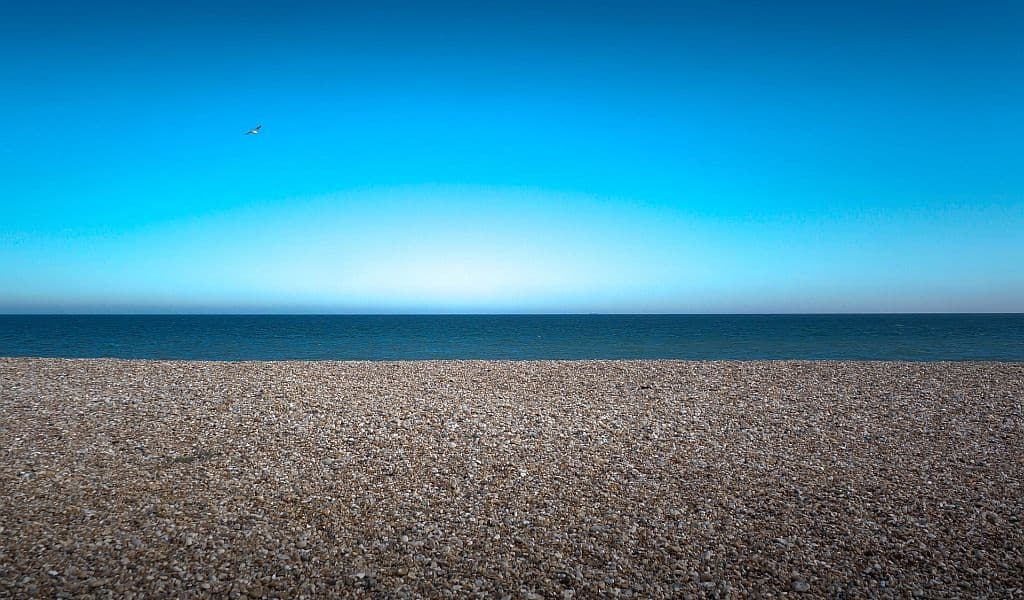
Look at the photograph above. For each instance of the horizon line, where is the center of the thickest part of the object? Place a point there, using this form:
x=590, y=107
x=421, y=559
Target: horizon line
x=495, y=314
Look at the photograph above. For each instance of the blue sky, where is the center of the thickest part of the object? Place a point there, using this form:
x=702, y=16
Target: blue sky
x=512, y=157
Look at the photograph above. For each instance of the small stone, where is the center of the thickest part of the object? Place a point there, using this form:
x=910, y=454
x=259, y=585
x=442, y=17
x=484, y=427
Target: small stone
x=376, y=480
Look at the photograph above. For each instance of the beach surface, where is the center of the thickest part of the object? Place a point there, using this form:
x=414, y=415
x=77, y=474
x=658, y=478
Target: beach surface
x=497, y=479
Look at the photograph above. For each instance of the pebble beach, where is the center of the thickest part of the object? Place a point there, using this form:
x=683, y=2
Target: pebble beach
x=511, y=480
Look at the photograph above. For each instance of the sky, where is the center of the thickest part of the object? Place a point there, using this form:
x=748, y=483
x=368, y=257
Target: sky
x=512, y=157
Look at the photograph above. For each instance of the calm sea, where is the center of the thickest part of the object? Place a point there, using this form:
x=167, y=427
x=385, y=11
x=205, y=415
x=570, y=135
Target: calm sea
x=238, y=337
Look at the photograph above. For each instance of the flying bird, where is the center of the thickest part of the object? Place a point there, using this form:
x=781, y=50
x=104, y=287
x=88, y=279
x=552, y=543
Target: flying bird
x=254, y=130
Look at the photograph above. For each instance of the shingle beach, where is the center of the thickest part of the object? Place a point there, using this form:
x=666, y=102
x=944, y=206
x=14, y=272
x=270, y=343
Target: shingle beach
x=525, y=480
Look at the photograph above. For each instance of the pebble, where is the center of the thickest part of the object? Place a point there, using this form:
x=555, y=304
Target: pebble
x=547, y=479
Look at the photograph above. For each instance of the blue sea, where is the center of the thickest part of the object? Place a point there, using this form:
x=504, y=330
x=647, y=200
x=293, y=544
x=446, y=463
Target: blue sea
x=923, y=337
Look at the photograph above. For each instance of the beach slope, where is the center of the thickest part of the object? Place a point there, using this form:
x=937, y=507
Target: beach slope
x=510, y=479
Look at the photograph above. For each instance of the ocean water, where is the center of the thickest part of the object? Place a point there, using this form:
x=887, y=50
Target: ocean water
x=518, y=337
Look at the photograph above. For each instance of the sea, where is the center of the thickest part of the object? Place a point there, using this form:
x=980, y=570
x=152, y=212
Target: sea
x=909, y=337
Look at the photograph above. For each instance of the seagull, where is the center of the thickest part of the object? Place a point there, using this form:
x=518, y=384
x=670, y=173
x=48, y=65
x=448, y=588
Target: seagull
x=254, y=130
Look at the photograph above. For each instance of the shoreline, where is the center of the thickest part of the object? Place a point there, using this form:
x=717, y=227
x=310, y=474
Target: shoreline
x=553, y=479
x=375, y=361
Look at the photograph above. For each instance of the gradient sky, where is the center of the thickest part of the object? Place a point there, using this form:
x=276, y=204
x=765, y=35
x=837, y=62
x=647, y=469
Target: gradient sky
x=512, y=157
